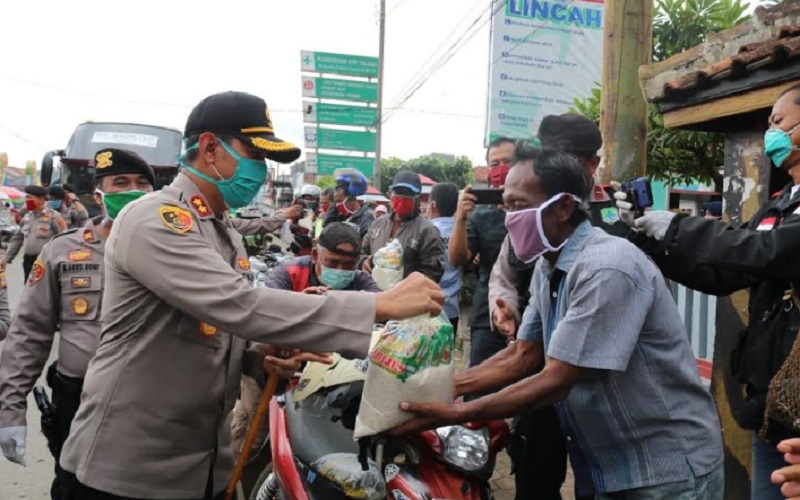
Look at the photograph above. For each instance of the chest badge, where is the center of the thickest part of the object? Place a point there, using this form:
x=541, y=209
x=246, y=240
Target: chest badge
x=79, y=255
x=201, y=206
x=207, y=329
x=80, y=306
x=88, y=235
x=178, y=219
x=81, y=282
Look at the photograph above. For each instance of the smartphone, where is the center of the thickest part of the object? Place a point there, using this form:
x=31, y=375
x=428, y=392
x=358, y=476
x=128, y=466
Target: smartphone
x=488, y=196
x=640, y=194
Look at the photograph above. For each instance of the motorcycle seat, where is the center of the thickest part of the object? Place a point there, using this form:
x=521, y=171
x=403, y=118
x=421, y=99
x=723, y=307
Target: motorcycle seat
x=313, y=434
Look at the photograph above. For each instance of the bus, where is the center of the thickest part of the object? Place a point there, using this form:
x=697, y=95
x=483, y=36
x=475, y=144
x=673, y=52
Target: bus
x=159, y=146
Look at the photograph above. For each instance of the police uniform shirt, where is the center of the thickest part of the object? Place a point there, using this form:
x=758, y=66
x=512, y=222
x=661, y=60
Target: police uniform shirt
x=157, y=398
x=35, y=231
x=65, y=288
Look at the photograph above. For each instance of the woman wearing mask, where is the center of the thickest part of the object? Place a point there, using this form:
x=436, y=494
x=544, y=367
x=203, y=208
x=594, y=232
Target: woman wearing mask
x=709, y=256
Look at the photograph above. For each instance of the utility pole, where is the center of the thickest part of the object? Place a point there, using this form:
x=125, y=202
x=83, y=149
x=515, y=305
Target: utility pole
x=381, y=43
x=627, y=44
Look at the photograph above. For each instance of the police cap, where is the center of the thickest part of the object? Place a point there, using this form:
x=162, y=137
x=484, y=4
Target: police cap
x=39, y=191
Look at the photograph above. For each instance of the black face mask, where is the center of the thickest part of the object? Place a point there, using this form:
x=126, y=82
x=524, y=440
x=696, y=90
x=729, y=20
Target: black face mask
x=311, y=205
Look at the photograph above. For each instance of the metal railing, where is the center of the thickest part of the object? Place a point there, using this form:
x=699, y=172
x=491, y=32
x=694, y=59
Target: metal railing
x=699, y=312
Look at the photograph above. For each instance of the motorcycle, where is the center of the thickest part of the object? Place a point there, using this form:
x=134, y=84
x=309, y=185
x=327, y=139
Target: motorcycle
x=261, y=266
x=7, y=231
x=314, y=455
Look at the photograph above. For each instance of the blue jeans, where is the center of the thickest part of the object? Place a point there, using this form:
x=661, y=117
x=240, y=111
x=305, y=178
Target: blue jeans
x=766, y=460
x=708, y=487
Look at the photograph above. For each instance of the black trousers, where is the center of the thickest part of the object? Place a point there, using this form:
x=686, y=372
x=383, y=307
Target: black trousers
x=66, y=398
x=539, y=455
x=27, y=264
x=72, y=489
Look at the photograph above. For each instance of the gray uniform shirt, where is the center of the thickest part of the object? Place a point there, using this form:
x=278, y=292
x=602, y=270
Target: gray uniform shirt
x=5, y=310
x=260, y=225
x=75, y=216
x=34, y=233
x=65, y=288
x=155, y=410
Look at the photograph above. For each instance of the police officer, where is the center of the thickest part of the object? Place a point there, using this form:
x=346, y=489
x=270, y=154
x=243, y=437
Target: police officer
x=65, y=288
x=38, y=226
x=154, y=420
x=67, y=204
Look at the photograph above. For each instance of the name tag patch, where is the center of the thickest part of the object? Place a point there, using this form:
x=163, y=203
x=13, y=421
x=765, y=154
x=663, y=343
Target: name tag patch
x=79, y=255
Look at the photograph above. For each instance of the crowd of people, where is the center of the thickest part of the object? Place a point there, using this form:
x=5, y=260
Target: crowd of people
x=573, y=330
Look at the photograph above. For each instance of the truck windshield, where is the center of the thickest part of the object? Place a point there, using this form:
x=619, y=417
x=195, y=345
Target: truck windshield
x=159, y=146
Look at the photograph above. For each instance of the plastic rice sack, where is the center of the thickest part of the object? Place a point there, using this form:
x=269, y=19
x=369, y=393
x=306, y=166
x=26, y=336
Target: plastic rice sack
x=387, y=265
x=412, y=361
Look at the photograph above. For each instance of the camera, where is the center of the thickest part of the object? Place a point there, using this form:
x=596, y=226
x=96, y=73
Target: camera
x=639, y=194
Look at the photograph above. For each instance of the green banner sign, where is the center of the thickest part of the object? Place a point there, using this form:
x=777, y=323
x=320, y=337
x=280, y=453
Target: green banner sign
x=340, y=64
x=346, y=140
x=339, y=114
x=344, y=90
x=326, y=164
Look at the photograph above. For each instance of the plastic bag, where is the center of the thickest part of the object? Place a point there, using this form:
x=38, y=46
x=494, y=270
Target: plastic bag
x=387, y=265
x=412, y=361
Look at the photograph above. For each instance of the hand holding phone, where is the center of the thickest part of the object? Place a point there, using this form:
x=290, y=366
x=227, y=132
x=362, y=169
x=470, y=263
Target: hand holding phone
x=488, y=196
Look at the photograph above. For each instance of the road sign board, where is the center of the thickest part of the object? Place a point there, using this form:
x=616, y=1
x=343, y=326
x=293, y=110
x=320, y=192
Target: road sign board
x=346, y=140
x=340, y=64
x=325, y=164
x=339, y=114
x=345, y=90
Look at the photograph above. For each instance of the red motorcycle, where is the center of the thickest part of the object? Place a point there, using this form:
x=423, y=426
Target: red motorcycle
x=314, y=456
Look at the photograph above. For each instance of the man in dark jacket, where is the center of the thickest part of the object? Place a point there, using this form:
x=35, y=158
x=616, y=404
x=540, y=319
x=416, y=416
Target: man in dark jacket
x=423, y=250
x=718, y=259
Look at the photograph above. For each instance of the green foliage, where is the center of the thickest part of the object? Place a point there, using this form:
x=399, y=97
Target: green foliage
x=458, y=172
x=325, y=181
x=681, y=156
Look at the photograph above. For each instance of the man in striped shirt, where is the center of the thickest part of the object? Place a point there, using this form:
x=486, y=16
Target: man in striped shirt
x=617, y=360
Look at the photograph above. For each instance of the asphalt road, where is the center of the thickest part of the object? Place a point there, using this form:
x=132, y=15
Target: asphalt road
x=32, y=481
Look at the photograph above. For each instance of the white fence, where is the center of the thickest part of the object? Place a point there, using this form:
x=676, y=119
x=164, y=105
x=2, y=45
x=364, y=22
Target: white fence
x=699, y=312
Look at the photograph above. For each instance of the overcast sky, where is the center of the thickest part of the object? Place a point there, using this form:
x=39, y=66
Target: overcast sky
x=65, y=62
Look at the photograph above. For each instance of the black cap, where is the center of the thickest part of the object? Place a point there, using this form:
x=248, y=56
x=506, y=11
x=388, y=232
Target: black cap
x=243, y=115
x=39, y=191
x=337, y=233
x=407, y=179
x=571, y=133
x=112, y=161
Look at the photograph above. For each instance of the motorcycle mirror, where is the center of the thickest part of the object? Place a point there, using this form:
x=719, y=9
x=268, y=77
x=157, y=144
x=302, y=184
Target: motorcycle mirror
x=47, y=167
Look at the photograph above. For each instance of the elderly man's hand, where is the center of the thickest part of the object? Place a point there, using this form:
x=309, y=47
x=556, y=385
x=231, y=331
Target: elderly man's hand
x=430, y=416
x=789, y=476
x=287, y=362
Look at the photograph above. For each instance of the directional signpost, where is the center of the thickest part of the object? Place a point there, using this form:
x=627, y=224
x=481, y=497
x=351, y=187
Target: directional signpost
x=354, y=116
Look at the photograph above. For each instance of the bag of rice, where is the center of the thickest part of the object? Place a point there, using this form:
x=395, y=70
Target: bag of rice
x=412, y=361
x=387, y=265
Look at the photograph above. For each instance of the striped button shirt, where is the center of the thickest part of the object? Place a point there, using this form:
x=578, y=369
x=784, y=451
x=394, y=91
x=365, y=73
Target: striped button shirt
x=640, y=415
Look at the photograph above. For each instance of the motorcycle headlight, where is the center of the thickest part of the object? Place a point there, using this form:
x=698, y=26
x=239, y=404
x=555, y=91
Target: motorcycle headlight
x=464, y=448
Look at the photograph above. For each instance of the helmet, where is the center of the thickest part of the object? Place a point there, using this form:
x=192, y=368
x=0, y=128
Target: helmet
x=310, y=190
x=353, y=181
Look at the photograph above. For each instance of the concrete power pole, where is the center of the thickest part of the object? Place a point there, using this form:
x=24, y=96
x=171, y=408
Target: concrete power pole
x=381, y=43
x=627, y=44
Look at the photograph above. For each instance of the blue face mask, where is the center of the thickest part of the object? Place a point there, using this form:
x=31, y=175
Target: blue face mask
x=54, y=204
x=337, y=279
x=778, y=145
x=243, y=186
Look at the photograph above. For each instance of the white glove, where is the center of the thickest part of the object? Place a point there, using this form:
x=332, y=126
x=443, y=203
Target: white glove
x=655, y=224
x=624, y=207
x=12, y=442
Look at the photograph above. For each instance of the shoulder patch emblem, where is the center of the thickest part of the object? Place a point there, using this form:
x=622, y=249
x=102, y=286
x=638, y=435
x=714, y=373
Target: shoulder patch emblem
x=244, y=263
x=207, y=329
x=609, y=215
x=88, y=235
x=3, y=281
x=79, y=255
x=178, y=219
x=37, y=272
x=80, y=306
x=200, y=205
